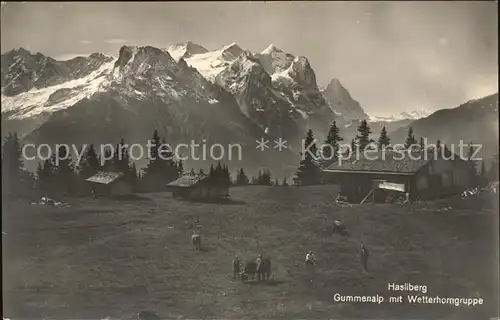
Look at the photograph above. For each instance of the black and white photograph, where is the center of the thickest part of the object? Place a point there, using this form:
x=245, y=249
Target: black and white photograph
x=250, y=160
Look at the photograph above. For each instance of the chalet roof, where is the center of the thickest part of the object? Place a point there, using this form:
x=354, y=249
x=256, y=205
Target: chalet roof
x=105, y=177
x=396, y=162
x=187, y=180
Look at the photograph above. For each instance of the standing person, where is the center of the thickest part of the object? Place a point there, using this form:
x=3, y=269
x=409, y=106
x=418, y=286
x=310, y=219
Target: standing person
x=310, y=259
x=259, y=260
x=236, y=268
x=364, y=257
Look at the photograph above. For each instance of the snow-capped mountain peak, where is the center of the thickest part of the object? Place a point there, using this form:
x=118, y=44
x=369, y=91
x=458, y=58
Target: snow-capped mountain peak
x=208, y=63
x=405, y=115
x=231, y=51
x=57, y=97
x=271, y=49
x=185, y=50
x=341, y=102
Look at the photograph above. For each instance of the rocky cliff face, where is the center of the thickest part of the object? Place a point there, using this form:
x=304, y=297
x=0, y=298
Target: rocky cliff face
x=342, y=103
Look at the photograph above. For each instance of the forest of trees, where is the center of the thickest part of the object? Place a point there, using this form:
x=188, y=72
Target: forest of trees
x=308, y=172
x=55, y=177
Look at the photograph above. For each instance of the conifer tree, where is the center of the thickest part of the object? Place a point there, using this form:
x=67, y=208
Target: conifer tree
x=285, y=183
x=65, y=172
x=162, y=167
x=330, y=152
x=211, y=175
x=422, y=143
x=241, y=178
x=363, y=137
x=383, y=140
x=309, y=172
x=89, y=165
x=180, y=168
x=106, y=165
x=255, y=180
x=226, y=177
x=410, y=139
x=354, y=145
x=265, y=178
x=192, y=173
x=15, y=178
x=134, y=178
x=47, y=176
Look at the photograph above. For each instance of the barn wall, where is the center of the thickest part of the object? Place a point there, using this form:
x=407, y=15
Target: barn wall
x=355, y=186
x=195, y=192
x=442, y=177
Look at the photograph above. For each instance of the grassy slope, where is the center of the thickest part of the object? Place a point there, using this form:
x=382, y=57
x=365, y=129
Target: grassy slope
x=107, y=258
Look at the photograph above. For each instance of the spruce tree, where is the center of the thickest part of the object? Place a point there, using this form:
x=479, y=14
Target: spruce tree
x=354, y=145
x=180, y=168
x=192, y=172
x=47, y=177
x=383, y=140
x=89, y=165
x=134, y=178
x=65, y=172
x=265, y=178
x=106, y=165
x=363, y=137
x=255, y=180
x=226, y=176
x=410, y=139
x=309, y=172
x=14, y=174
x=422, y=143
x=241, y=178
x=330, y=152
x=211, y=175
x=122, y=161
x=162, y=167
x=285, y=183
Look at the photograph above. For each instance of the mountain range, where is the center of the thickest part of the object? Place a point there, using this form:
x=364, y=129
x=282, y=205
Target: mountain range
x=187, y=92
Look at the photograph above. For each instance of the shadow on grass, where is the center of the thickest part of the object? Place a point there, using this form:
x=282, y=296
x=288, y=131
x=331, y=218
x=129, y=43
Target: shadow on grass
x=224, y=201
x=272, y=282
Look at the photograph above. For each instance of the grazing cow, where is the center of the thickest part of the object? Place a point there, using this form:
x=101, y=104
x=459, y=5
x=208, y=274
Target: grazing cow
x=249, y=270
x=263, y=269
x=339, y=227
x=196, y=240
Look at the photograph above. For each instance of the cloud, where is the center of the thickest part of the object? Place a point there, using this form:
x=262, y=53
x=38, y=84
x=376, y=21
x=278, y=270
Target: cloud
x=116, y=41
x=85, y=42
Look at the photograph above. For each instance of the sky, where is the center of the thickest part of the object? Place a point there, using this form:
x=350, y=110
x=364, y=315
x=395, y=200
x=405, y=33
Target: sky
x=391, y=56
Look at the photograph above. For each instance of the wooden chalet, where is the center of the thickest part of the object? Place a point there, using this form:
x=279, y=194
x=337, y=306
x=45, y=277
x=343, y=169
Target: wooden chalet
x=196, y=187
x=110, y=184
x=421, y=175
